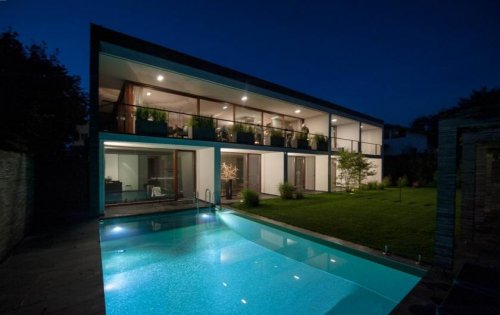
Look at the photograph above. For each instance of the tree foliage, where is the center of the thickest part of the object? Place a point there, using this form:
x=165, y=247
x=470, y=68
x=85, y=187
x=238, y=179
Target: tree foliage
x=354, y=169
x=482, y=103
x=41, y=103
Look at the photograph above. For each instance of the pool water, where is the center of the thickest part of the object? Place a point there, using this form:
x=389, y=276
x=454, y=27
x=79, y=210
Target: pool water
x=222, y=263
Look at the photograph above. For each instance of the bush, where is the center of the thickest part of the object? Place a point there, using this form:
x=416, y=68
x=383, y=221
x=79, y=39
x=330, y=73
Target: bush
x=286, y=191
x=372, y=185
x=250, y=198
x=386, y=181
x=403, y=181
x=381, y=186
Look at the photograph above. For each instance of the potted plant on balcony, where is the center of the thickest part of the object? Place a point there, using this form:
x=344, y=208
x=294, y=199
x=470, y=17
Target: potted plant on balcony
x=151, y=122
x=319, y=143
x=277, y=139
x=201, y=128
x=228, y=174
x=243, y=133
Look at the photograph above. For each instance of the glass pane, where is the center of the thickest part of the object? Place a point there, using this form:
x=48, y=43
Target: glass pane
x=291, y=170
x=135, y=176
x=300, y=170
x=238, y=161
x=248, y=115
x=254, y=172
x=185, y=174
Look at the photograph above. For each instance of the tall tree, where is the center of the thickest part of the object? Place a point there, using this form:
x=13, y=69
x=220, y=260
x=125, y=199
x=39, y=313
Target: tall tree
x=41, y=103
x=354, y=168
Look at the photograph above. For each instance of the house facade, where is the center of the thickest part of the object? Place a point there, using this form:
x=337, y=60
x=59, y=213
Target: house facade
x=163, y=123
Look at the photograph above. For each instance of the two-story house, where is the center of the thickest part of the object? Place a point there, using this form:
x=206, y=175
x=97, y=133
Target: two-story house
x=163, y=123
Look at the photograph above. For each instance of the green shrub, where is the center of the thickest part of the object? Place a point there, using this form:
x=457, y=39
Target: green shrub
x=403, y=181
x=250, y=198
x=386, y=181
x=286, y=190
x=381, y=186
x=372, y=185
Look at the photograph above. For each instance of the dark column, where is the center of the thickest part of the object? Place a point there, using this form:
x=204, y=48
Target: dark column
x=445, y=215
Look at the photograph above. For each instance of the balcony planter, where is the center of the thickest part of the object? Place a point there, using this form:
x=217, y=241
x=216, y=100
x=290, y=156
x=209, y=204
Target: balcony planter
x=245, y=137
x=201, y=133
x=151, y=128
x=202, y=128
x=151, y=122
x=277, y=141
x=319, y=143
x=300, y=144
x=244, y=134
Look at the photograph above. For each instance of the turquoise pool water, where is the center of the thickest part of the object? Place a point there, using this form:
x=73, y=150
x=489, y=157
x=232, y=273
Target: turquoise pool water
x=190, y=263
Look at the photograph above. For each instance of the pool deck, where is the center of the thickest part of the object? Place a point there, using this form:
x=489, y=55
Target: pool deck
x=55, y=271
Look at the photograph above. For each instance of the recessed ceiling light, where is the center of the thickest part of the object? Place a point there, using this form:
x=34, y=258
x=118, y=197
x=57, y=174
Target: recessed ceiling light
x=297, y=111
x=148, y=93
x=244, y=98
x=159, y=78
x=334, y=120
x=361, y=126
x=224, y=107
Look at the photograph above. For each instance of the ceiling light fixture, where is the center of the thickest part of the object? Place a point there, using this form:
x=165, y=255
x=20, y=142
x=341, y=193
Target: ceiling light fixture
x=244, y=98
x=297, y=111
x=224, y=107
x=361, y=126
x=159, y=78
x=148, y=93
x=334, y=120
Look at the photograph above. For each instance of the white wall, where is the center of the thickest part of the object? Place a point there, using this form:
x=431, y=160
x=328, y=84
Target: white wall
x=111, y=166
x=318, y=124
x=377, y=163
x=322, y=172
x=372, y=136
x=205, y=172
x=351, y=132
x=128, y=171
x=310, y=173
x=272, y=172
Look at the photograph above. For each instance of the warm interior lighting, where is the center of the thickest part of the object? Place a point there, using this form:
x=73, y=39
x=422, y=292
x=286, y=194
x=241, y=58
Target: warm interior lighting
x=297, y=111
x=224, y=107
x=159, y=78
x=244, y=98
x=361, y=126
x=334, y=120
x=148, y=93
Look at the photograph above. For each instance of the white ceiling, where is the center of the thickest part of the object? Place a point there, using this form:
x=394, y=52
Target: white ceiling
x=114, y=71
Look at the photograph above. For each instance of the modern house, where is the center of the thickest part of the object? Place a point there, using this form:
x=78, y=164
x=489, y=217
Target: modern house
x=163, y=123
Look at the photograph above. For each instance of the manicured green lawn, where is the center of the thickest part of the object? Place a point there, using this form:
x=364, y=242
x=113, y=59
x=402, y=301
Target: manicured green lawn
x=371, y=218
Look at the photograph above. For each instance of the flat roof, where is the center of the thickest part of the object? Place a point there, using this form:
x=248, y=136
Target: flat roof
x=100, y=33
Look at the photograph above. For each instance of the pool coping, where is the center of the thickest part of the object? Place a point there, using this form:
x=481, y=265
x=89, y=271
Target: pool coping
x=393, y=261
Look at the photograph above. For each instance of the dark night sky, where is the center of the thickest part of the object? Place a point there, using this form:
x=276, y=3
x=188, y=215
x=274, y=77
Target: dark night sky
x=395, y=60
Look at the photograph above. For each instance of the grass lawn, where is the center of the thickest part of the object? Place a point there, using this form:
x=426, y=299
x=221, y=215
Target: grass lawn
x=372, y=218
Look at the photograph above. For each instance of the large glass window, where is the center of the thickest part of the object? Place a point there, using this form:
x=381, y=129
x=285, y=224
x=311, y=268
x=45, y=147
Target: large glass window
x=139, y=176
x=248, y=174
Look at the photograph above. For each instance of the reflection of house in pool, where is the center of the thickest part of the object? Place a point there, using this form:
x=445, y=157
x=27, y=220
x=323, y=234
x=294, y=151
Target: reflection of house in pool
x=163, y=122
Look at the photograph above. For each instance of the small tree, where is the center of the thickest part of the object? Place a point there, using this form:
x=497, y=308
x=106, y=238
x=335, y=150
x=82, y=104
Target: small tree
x=354, y=169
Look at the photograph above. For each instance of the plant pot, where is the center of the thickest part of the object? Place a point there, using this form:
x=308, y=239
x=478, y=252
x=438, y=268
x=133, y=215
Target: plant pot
x=300, y=144
x=151, y=128
x=229, y=189
x=277, y=141
x=245, y=137
x=198, y=133
x=322, y=146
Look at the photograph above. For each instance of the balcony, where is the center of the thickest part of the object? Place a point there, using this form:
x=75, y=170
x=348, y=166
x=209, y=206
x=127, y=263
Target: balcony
x=139, y=120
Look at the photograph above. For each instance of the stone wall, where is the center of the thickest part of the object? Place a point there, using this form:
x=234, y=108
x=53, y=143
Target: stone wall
x=16, y=199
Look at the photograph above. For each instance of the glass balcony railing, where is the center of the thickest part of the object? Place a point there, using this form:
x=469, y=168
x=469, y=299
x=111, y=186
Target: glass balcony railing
x=130, y=119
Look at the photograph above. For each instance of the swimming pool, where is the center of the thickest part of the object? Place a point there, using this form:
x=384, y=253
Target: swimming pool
x=223, y=263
